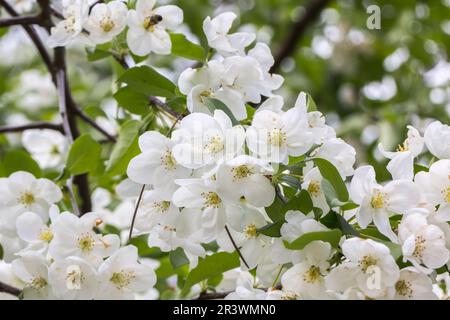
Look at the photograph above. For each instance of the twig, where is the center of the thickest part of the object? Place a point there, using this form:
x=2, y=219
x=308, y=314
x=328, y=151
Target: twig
x=35, y=125
x=135, y=212
x=9, y=289
x=236, y=247
x=93, y=124
x=34, y=38
x=73, y=200
x=297, y=30
x=163, y=106
x=25, y=20
x=212, y=295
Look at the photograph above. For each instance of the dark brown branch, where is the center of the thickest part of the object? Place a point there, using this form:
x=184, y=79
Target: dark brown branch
x=212, y=295
x=297, y=30
x=67, y=110
x=35, y=125
x=93, y=124
x=25, y=20
x=9, y=289
x=135, y=212
x=164, y=107
x=236, y=247
x=30, y=30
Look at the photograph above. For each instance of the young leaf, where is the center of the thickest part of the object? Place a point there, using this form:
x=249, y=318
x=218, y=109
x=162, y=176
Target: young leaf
x=182, y=47
x=18, y=160
x=272, y=229
x=178, y=258
x=125, y=149
x=211, y=266
x=330, y=173
x=148, y=81
x=84, y=155
x=301, y=202
x=331, y=236
x=214, y=104
x=132, y=101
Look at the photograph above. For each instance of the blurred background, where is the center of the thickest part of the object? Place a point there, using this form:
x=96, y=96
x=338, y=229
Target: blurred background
x=369, y=83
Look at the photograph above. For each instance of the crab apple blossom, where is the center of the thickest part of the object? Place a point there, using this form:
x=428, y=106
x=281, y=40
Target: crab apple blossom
x=436, y=138
x=48, y=147
x=401, y=165
x=244, y=178
x=423, y=244
x=156, y=164
x=122, y=275
x=194, y=173
x=106, y=20
x=216, y=31
x=75, y=13
x=147, y=27
x=377, y=203
x=306, y=279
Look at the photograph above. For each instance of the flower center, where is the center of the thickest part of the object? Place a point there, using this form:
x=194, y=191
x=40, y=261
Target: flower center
x=151, y=21
x=38, y=283
x=27, y=199
x=276, y=137
x=314, y=188
x=420, y=243
x=69, y=24
x=107, y=24
x=312, y=275
x=168, y=161
x=379, y=200
x=403, y=288
x=122, y=278
x=86, y=242
x=446, y=194
x=366, y=262
x=214, y=144
x=250, y=231
x=46, y=235
x=210, y=200
x=161, y=206
x=74, y=277
x=241, y=172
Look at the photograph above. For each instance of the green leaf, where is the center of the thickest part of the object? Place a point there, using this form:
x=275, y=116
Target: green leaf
x=275, y=210
x=148, y=81
x=211, y=266
x=330, y=173
x=182, y=47
x=214, y=104
x=291, y=181
x=19, y=160
x=84, y=155
x=132, y=101
x=272, y=229
x=331, y=236
x=125, y=149
x=99, y=52
x=178, y=258
x=301, y=202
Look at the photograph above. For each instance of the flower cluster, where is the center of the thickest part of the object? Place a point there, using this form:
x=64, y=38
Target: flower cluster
x=147, y=26
x=242, y=175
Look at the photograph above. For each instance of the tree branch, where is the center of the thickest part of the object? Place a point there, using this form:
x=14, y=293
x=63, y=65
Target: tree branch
x=67, y=110
x=297, y=30
x=30, y=30
x=9, y=289
x=93, y=124
x=25, y=20
x=212, y=295
x=35, y=125
x=135, y=212
x=236, y=247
